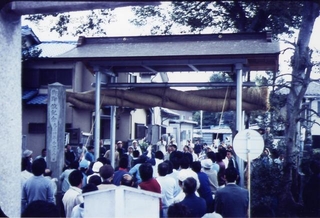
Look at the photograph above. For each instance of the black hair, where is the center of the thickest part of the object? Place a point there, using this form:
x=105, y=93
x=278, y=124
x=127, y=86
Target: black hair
x=75, y=178
x=196, y=166
x=231, y=174
x=159, y=155
x=178, y=210
x=95, y=179
x=104, y=160
x=146, y=171
x=39, y=166
x=211, y=155
x=136, y=153
x=41, y=208
x=127, y=180
x=74, y=165
x=89, y=188
x=163, y=169
x=123, y=162
x=189, y=185
x=170, y=166
x=185, y=162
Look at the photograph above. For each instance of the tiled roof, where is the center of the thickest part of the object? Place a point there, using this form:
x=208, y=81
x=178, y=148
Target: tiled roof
x=28, y=94
x=55, y=48
x=174, y=45
x=39, y=99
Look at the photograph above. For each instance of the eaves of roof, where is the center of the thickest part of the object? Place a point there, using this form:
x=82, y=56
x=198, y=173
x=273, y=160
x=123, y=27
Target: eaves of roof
x=174, y=45
x=176, y=53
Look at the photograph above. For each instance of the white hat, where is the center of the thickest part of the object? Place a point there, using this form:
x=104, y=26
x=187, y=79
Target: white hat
x=96, y=166
x=27, y=153
x=206, y=163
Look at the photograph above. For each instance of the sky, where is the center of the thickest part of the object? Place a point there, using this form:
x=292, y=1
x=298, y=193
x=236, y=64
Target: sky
x=122, y=27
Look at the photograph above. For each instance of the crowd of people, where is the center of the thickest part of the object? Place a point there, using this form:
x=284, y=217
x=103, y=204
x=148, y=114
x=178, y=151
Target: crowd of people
x=193, y=181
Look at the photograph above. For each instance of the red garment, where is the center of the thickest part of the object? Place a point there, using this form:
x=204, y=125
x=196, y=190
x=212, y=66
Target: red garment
x=153, y=186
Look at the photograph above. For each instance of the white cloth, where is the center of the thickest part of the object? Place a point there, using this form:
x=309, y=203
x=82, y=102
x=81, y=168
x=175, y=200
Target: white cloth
x=25, y=175
x=168, y=186
x=77, y=212
x=71, y=198
x=155, y=167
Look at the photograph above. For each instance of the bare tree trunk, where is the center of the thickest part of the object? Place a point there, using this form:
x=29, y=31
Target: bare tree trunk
x=301, y=69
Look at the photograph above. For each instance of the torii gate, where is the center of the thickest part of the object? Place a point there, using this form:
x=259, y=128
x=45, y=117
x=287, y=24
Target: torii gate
x=10, y=86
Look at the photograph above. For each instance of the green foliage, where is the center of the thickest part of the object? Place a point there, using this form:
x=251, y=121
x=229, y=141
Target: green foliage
x=266, y=184
x=29, y=52
x=89, y=23
x=217, y=16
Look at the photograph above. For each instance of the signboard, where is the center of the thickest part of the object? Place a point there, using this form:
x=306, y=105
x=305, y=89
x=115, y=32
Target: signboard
x=248, y=142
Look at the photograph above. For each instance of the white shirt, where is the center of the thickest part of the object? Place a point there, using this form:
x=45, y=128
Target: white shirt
x=71, y=198
x=168, y=186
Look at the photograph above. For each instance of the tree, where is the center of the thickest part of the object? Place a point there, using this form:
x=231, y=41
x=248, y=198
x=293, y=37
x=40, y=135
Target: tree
x=280, y=17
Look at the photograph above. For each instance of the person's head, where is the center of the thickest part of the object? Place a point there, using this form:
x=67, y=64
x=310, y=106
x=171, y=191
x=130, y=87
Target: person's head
x=74, y=165
x=134, y=144
x=84, y=164
x=178, y=210
x=44, y=152
x=41, y=208
x=104, y=160
x=189, y=185
x=159, y=155
x=175, y=163
x=91, y=148
x=212, y=156
x=185, y=162
x=173, y=147
x=146, y=171
x=186, y=148
x=119, y=144
x=39, y=166
x=163, y=169
x=123, y=162
x=90, y=187
x=95, y=179
x=136, y=153
x=206, y=164
x=67, y=147
x=127, y=180
x=27, y=154
x=231, y=174
x=223, y=152
x=96, y=166
x=130, y=149
x=106, y=172
x=170, y=166
x=196, y=166
x=229, y=154
x=75, y=178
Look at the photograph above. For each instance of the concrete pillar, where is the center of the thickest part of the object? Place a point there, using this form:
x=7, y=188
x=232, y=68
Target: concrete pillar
x=10, y=113
x=56, y=128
